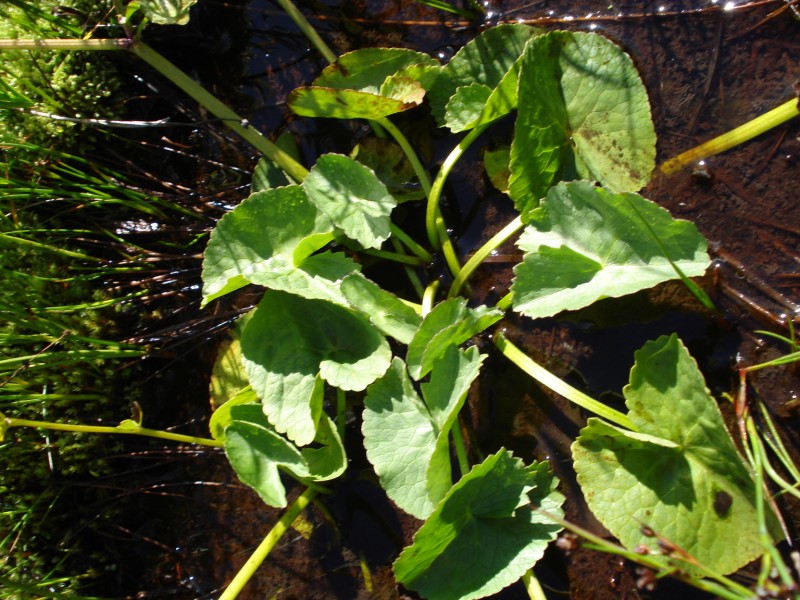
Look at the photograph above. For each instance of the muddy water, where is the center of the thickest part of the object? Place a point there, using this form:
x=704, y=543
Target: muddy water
x=707, y=70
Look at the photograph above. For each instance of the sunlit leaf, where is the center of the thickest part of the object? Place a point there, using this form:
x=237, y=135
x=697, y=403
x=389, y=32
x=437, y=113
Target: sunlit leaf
x=384, y=310
x=450, y=323
x=585, y=243
x=274, y=226
x=485, y=534
x=291, y=345
x=406, y=437
x=352, y=197
x=583, y=112
x=484, y=61
x=167, y=12
x=680, y=474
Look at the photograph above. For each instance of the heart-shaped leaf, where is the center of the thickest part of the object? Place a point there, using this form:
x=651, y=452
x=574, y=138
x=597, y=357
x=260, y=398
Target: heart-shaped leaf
x=679, y=474
x=583, y=112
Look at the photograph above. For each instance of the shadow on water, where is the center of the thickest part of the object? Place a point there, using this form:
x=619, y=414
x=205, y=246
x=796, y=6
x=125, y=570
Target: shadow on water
x=190, y=524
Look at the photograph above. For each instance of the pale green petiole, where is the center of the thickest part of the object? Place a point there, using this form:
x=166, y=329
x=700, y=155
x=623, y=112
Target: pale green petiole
x=124, y=428
x=546, y=378
x=483, y=252
x=734, y=137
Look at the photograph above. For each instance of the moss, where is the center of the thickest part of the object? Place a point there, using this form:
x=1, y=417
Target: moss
x=79, y=85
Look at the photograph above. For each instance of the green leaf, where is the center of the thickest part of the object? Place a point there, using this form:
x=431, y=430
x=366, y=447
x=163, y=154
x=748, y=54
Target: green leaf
x=680, y=474
x=371, y=83
x=346, y=104
x=278, y=226
x=267, y=175
x=255, y=452
x=167, y=12
x=384, y=310
x=450, y=323
x=227, y=375
x=221, y=417
x=292, y=344
x=3, y=427
x=327, y=459
x=484, y=535
x=466, y=105
x=352, y=197
x=496, y=163
x=485, y=60
x=583, y=112
x=367, y=69
x=387, y=160
x=318, y=277
x=406, y=438
x=585, y=243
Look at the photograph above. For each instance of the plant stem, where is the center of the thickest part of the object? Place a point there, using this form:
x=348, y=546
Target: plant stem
x=311, y=33
x=207, y=100
x=475, y=261
x=268, y=543
x=416, y=165
x=395, y=256
x=546, y=378
x=410, y=243
x=532, y=586
x=432, y=214
x=461, y=451
x=429, y=297
x=213, y=105
x=734, y=137
x=128, y=429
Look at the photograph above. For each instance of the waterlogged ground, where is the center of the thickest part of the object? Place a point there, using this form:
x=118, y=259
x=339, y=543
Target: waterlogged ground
x=706, y=70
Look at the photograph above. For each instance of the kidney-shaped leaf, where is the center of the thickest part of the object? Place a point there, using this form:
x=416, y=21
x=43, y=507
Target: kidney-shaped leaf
x=367, y=69
x=291, y=344
x=406, y=438
x=484, y=535
x=583, y=112
x=585, y=243
x=384, y=310
x=450, y=323
x=269, y=226
x=167, y=12
x=352, y=197
x=680, y=474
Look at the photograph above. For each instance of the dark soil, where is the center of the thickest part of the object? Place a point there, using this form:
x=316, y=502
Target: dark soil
x=707, y=71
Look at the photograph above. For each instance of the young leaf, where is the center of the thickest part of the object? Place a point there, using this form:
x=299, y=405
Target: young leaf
x=406, y=438
x=292, y=344
x=583, y=112
x=585, y=243
x=485, y=61
x=352, y=197
x=331, y=103
x=269, y=226
x=680, y=474
x=489, y=509
x=450, y=323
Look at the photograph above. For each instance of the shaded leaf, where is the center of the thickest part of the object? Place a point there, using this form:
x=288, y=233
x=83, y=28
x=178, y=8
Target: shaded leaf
x=484, y=535
x=496, y=163
x=672, y=473
x=585, y=243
